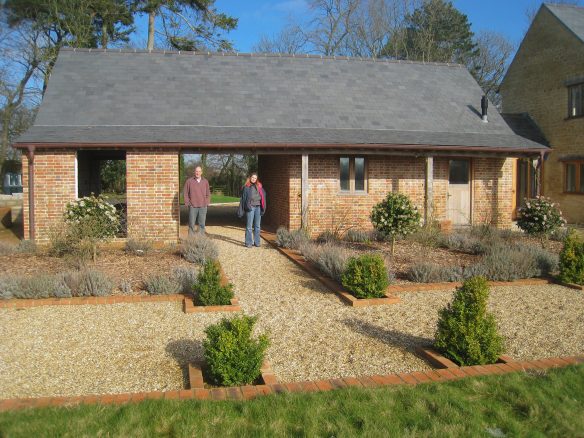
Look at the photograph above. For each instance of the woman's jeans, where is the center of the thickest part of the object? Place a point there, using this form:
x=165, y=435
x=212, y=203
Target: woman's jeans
x=253, y=220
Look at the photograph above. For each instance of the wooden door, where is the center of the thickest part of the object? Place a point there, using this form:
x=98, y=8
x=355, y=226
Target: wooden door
x=459, y=192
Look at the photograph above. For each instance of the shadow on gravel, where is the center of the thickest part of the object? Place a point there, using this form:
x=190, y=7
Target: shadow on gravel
x=390, y=337
x=227, y=239
x=185, y=351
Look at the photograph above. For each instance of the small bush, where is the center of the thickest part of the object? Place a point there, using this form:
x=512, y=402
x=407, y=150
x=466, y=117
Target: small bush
x=540, y=217
x=126, y=287
x=138, y=247
x=428, y=235
x=358, y=236
x=395, y=216
x=327, y=237
x=463, y=243
x=572, y=260
x=41, y=286
x=332, y=260
x=162, y=285
x=208, y=289
x=186, y=278
x=431, y=273
x=22, y=247
x=88, y=283
x=290, y=239
x=310, y=251
x=8, y=287
x=233, y=357
x=199, y=249
x=466, y=333
x=507, y=263
x=366, y=276
x=560, y=234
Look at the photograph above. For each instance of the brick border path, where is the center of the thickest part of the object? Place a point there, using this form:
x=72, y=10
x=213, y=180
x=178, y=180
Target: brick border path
x=250, y=392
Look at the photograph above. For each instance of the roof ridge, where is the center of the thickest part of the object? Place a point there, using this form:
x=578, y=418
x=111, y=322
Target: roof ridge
x=260, y=55
x=563, y=5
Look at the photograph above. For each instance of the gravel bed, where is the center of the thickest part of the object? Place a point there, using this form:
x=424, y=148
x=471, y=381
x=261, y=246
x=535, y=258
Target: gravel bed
x=74, y=350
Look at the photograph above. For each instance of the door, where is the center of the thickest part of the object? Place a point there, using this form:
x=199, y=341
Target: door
x=458, y=205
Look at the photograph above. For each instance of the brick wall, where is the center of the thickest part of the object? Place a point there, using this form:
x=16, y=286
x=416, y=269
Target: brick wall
x=492, y=186
x=54, y=186
x=152, y=194
x=274, y=172
x=330, y=209
x=535, y=83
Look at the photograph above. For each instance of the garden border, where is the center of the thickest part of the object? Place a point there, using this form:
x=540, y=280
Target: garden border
x=434, y=358
x=395, y=288
x=328, y=282
x=250, y=392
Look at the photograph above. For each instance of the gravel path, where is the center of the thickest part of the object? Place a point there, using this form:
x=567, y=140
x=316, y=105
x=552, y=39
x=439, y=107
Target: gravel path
x=73, y=350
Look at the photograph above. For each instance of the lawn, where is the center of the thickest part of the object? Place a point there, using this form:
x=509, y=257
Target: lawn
x=518, y=404
x=219, y=199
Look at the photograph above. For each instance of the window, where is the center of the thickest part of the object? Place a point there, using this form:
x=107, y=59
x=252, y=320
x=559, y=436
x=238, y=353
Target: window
x=574, y=177
x=526, y=180
x=353, y=174
x=458, y=172
x=575, y=101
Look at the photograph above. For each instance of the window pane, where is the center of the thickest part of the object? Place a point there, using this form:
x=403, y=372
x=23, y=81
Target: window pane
x=359, y=173
x=576, y=101
x=522, y=181
x=581, y=178
x=532, y=180
x=344, y=177
x=458, y=172
x=570, y=177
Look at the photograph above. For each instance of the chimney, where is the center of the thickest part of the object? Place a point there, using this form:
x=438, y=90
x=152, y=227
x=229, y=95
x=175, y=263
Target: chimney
x=484, y=107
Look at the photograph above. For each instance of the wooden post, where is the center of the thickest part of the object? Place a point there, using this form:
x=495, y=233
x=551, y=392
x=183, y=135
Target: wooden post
x=429, y=198
x=304, y=194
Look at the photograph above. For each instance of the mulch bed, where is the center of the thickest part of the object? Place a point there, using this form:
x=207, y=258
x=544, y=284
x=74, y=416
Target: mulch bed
x=116, y=263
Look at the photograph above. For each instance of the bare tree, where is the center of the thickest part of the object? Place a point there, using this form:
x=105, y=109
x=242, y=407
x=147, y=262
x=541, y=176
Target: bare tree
x=491, y=62
x=290, y=40
x=332, y=25
x=22, y=63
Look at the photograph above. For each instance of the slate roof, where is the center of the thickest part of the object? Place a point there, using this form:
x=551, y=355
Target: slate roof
x=524, y=126
x=120, y=97
x=571, y=16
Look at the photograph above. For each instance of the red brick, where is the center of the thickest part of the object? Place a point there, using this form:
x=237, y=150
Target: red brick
x=352, y=381
x=421, y=377
x=323, y=385
x=172, y=395
x=218, y=393
x=293, y=387
x=249, y=392
x=408, y=378
x=202, y=394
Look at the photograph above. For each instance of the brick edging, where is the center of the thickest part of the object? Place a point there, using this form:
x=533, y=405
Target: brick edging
x=328, y=282
x=196, y=381
x=19, y=303
x=250, y=391
x=437, y=360
x=570, y=285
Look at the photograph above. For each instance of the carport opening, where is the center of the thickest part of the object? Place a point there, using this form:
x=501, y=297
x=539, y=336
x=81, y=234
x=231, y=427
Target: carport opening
x=226, y=174
x=103, y=172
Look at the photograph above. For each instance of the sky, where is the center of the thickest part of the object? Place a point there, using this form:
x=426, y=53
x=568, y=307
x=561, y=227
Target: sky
x=258, y=17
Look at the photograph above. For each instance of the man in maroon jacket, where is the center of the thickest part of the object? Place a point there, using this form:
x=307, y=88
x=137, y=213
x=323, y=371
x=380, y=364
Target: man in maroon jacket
x=198, y=197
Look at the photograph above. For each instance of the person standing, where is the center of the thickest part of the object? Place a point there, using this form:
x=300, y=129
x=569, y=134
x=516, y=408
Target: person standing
x=253, y=205
x=197, y=196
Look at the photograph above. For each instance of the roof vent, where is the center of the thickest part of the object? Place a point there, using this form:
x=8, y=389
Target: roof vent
x=484, y=108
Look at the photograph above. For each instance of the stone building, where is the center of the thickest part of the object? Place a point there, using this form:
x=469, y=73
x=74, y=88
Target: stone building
x=333, y=136
x=545, y=84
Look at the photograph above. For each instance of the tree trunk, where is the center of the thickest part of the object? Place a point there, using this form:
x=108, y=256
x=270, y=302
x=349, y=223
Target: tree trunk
x=151, y=19
x=392, y=245
x=104, y=36
x=6, y=116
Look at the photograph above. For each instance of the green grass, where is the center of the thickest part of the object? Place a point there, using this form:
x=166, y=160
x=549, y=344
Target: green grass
x=520, y=404
x=217, y=199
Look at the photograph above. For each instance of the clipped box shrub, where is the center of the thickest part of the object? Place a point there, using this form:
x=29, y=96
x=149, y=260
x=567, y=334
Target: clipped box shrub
x=138, y=247
x=199, y=249
x=466, y=333
x=162, y=285
x=366, y=276
x=232, y=356
x=572, y=260
x=208, y=288
x=290, y=239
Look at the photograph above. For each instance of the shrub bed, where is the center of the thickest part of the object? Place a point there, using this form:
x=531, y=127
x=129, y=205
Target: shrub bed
x=365, y=276
x=208, y=290
x=199, y=249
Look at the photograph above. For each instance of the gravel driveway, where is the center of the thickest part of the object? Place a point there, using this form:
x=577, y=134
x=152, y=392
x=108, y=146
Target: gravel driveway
x=74, y=350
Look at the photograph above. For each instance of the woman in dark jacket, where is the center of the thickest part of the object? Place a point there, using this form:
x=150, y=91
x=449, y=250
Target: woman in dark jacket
x=253, y=205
